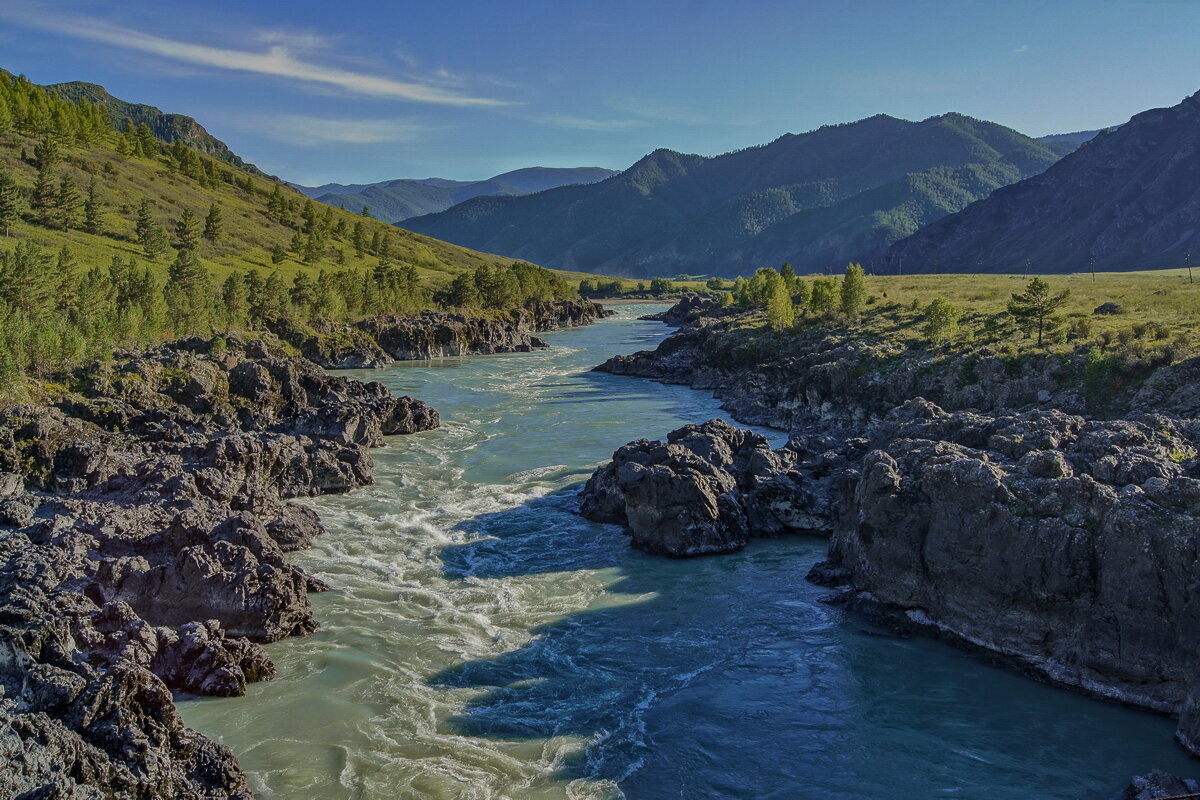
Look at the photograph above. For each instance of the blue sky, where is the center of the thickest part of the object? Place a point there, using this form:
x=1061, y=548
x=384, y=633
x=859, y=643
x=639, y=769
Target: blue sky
x=364, y=90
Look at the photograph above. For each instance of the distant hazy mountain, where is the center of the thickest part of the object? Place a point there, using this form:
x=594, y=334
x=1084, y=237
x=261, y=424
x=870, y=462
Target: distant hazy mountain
x=396, y=200
x=815, y=199
x=1130, y=198
x=1069, y=142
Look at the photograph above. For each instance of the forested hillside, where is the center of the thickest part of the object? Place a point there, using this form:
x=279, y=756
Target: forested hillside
x=115, y=238
x=1128, y=199
x=816, y=200
x=403, y=198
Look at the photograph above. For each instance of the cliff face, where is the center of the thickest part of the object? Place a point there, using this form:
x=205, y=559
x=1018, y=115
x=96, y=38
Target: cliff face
x=143, y=529
x=377, y=341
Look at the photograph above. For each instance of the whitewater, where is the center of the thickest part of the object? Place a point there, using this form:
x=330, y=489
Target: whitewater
x=482, y=641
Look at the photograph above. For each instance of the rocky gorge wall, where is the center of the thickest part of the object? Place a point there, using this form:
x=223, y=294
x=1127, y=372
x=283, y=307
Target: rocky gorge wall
x=1062, y=544
x=379, y=340
x=144, y=522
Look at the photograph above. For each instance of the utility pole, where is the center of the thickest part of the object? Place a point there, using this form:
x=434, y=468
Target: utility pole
x=900, y=269
x=1026, y=275
x=1187, y=257
x=1093, y=269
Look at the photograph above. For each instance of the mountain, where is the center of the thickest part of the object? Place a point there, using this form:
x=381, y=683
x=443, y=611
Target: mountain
x=816, y=200
x=1129, y=199
x=166, y=127
x=1070, y=142
x=123, y=180
x=402, y=198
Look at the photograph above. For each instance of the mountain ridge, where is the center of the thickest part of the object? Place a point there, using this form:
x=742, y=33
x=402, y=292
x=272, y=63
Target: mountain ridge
x=398, y=199
x=1128, y=199
x=673, y=212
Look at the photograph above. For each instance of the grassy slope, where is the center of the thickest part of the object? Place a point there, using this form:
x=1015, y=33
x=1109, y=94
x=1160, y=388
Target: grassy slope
x=249, y=234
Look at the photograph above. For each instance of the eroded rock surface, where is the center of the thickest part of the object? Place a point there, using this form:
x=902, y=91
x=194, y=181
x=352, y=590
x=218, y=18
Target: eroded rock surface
x=144, y=519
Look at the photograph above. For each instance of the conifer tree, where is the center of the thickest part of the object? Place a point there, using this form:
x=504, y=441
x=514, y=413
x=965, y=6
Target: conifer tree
x=144, y=224
x=43, y=197
x=68, y=203
x=46, y=153
x=213, y=224
x=187, y=231
x=1035, y=309
x=234, y=299
x=366, y=211
x=146, y=142
x=26, y=279
x=188, y=294
x=156, y=242
x=463, y=291
x=356, y=239
x=10, y=201
x=278, y=254
x=6, y=118
x=276, y=204
x=91, y=209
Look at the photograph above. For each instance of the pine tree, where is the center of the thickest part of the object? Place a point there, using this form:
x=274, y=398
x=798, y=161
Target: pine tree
x=46, y=153
x=144, y=224
x=10, y=201
x=1035, y=309
x=66, y=297
x=156, y=242
x=235, y=300
x=146, y=142
x=463, y=291
x=91, y=209
x=276, y=204
x=366, y=211
x=26, y=279
x=278, y=254
x=187, y=231
x=356, y=239
x=43, y=197
x=6, y=118
x=213, y=224
x=67, y=204
x=188, y=294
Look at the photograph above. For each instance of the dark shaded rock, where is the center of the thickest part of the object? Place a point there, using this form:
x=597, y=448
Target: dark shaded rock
x=1157, y=785
x=149, y=555
x=1108, y=308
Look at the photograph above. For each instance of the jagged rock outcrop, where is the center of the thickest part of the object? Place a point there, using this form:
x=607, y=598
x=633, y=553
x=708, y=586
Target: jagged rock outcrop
x=708, y=489
x=377, y=341
x=1063, y=545
x=1158, y=785
x=143, y=529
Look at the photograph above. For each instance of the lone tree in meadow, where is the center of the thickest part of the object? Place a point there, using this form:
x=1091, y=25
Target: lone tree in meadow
x=1035, y=309
x=854, y=291
x=940, y=320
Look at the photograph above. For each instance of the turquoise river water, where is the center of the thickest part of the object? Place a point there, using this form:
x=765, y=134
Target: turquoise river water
x=484, y=642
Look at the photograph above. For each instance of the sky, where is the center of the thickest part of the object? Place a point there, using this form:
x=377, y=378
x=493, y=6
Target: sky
x=355, y=91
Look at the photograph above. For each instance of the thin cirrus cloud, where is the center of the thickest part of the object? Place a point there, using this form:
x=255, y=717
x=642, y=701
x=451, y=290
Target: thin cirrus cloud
x=589, y=124
x=307, y=131
x=278, y=60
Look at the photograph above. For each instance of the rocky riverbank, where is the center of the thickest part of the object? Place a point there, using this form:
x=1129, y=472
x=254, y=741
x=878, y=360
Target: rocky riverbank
x=377, y=341
x=144, y=524
x=1061, y=544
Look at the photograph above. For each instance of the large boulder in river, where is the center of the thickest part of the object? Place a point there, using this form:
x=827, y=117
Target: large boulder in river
x=707, y=489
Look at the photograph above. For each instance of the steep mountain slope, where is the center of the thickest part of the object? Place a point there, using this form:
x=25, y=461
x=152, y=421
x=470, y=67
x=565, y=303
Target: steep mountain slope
x=166, y=127
x=671, y=212
x=1129, y=199
x=400, y=199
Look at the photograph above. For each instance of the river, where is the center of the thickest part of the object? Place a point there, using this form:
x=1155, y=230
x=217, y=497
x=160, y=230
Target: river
x=483, y=642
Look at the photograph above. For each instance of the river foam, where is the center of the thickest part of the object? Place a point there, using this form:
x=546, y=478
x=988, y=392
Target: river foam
x=483, y=641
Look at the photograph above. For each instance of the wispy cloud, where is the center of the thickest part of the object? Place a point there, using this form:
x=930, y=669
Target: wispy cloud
x=308, y=131
x=588, y=124
x=1021, y=49
x=279, y=59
